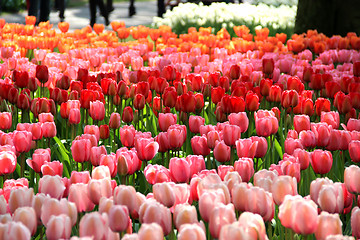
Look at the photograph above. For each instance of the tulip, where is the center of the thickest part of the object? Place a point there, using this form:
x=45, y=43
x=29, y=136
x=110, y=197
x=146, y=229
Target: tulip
x=21, y=197
x=264, y=179
x=166, y=120
x=231, y=133
x=289, y=98
x=127, y=134
x=48, y=129
x=331, y=118
x=239, y=119
x=94, y=225
x=80, y=150
x=79, y=177
x=164, y=193
x=127, y=115
x=97, y=110
x=101, y=172
x=22, y=141
x=307, y=139
x=282, y=186
x=154, y=212
x=266, y=123
x=27, y=216
x=221, y=215
x=52, y=168
x=195, y=122
x=156, y=174
x=245, y=167
x=199, y=145
x=176, y=135
x=92, y=130
x=5, y=120
x=301, y=122
x=58, y=227
x=42, y=73
x=329, y=224
x=191, y=231
x=52, y=185
x=118, y=218
x=185, y=214
x=246, y=148
x=74, y=116
x=354, y=150
x=321, y=161
x=331, y=198
x=179, y=169
x=322, y=133
x=15, y=230
x=207, y=201
x=268, y=66
x=146, y=148
x=351, y=179
x=79, y=194
x=7, y=162
x=303, y=157
x=151, y=231
x=126, y=195
x=115, y=120
x=355, y=222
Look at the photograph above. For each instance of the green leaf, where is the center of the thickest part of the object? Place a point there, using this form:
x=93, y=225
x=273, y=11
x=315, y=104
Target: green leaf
x=278, y=148
x=63, y=155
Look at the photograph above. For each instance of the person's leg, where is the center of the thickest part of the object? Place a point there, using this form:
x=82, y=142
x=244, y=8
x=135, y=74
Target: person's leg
x=161, y=7
x=109, y=5
x=61, y=6
x=33, y=8
x=44, y=10
x=92, y=5
x=132, y=10
x=103, y=11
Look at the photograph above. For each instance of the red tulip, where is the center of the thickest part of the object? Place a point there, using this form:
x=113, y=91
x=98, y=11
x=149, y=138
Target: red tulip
x=265, y=86
x=187, y=102
x=216, y=94
x=104, y=131
x=252, y=102
x=342, y=102
x=268, y=66
x=322, y=105
x=5, y=120
x=127, y=115
x=289, y=98
x=169, y=97
x=42, y=73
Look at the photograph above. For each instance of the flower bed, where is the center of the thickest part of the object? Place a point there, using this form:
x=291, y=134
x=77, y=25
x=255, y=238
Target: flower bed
x=221, y=15
x=191, y=137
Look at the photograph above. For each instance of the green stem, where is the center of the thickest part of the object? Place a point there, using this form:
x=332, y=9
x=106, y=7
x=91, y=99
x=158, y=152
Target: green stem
x=232, y=153
x=22, y=164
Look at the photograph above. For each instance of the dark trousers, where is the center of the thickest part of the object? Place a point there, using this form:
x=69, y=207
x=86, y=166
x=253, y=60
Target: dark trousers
x=161, y=7
x=60, y=6
x=93, y=4
x=44, y=9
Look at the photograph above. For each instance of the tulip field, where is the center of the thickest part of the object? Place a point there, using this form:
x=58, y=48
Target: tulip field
x=140, y=133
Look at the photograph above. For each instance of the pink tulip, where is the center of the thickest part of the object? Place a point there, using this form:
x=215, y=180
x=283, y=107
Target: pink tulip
x=110, y=161
x=79, y=194
x=101, y=172
x=207, y=201
x=231, y=133
x=185, y=214
x=126, y=195
x=331, y=198
x=52, y=168
x=291, y=144
x=38, y=158
x=21, y=197
x=223, y=170
x=157, y=174
x=231, y=179
x=354, y=150
x=331, y=118
x=94, y=225
x=307, y=139
x=301, y=122
x=74, y=116
x=246, y=148
x=128, y=162
x=22, y=141
x=48, y=129
x=163, y=140
x=239, y=119
x=164, y=193
x=322, y=133
x=93, y=130
x=151, y=231
x=221, y=215
x=352, y=179
x=315, y=187
x=52, y=185
x=355, y=222
x=195, y=122
x=80, y=150
x=53, y=207
x=199, y=145
x=115, y=120
x=95, y=153
x=212, y=137
x=5, y=120
x=266, y=123
x=176, y=136
x=222, y=152
x=118, y=218
x=97, y=110
x=14, y=230
x=146, y=148
x=264, y=179
x=166, y=120
x=321, y=161
x=153, y=212
x=27, y=216
x=191, y=231
x=282, y=186
x=262, y=146
x=7, y=162
x=197, y=164
x=58, y=227
x=245, y=167
x=179, y=169
x=98, y=188
x=127, y=134
x=303, y=157
x=329, y=224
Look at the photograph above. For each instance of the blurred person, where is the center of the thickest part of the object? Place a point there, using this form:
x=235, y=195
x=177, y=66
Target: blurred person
x=103, y=11
x=132, y=10
x=44, y=6
x=60, y=6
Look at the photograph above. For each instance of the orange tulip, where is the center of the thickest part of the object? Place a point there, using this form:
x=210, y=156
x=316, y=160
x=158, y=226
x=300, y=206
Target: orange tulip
x=117, y=24
x=98, y=28
x=2, y=22
x=154, y=34
x=30, y=20
x=123, y=32
x=261, y=34
x=63, y=26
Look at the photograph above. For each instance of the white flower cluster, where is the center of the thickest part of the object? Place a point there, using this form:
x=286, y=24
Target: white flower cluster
x=273, y=2
x=219, y=15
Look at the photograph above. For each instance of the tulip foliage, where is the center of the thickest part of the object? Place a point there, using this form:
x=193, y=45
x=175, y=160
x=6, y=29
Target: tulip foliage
x=196, y=136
